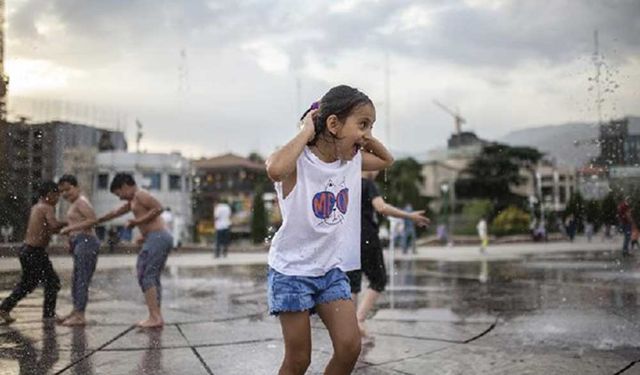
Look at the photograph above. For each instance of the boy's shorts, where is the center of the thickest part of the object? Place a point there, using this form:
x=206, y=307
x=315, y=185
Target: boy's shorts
x=301, y=293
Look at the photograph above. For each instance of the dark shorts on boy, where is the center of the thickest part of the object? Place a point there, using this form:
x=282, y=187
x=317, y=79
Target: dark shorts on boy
x=152, y=259
x=303, y=293
x=372, y=265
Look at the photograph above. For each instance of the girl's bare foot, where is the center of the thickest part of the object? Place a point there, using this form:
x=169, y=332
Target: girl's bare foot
x=74, y=320
x=150, y=323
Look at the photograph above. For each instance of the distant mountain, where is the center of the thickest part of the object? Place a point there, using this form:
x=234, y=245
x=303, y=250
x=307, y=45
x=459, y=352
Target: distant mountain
x=568, y=143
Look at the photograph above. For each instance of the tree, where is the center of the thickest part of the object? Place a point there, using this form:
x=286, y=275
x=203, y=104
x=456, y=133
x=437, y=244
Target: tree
x=256, y=157
x=401, y=183
x=258, y=218
x=494, y=171
x=592, y=212
x=576, y=206
x=608, y=210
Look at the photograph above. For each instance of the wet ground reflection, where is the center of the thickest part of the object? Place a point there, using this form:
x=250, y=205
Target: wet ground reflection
x=580, y=302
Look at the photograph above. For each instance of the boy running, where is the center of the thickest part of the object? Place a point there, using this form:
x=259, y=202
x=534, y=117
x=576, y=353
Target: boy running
x=34, y=260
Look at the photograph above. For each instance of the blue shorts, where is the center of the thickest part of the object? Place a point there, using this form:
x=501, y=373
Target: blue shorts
x=302, y=293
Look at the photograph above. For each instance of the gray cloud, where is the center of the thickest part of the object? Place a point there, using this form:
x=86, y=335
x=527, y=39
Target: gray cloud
x=141, y=40
x=520, y=30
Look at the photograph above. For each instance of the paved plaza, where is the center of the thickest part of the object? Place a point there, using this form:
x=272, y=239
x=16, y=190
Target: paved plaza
x=555, y=308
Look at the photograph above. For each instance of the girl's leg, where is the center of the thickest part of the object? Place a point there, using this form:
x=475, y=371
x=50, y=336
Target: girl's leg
x=296, y=331
x=340, y=319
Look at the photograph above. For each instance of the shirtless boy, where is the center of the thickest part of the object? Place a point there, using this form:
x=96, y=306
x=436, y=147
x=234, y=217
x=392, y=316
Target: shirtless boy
x=156, y=240
x=34, y=260
x=84, y=246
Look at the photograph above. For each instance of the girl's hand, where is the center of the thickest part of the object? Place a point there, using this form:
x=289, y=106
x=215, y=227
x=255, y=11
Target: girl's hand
x=307, y=126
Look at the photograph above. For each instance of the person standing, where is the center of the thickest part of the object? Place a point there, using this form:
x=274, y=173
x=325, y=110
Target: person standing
x=589, y=230
x=571, y=226
x=483, y=233
x=84, y=246
x=409, y=233
x=156, y=241
x=624, y=218
x=34, y=260
x=635, y=235
x=371, y=257
x=222, y=217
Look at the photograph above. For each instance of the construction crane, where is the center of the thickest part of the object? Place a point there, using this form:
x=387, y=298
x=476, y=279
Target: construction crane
x=458, y=120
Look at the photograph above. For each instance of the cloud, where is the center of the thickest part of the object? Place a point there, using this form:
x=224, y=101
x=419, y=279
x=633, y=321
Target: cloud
x=236, y=72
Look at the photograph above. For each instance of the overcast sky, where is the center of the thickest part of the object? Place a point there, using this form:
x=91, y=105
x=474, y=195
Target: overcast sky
x=206, y=77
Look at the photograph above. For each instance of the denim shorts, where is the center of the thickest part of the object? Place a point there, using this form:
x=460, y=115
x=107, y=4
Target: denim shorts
x=301, y=293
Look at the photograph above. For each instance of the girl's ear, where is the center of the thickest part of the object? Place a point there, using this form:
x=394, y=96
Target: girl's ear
x=333, y=124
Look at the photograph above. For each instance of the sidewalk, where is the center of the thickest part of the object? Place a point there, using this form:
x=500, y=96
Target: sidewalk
x=501, y=252
x=556, y=308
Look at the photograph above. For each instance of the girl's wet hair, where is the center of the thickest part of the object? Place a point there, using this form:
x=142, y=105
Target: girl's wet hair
x=340, y=101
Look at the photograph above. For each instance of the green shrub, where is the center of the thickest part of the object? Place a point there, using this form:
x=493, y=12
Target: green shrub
x=513, y=220
x=472, y=211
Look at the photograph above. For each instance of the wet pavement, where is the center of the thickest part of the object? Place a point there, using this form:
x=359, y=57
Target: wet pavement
x=557, y=309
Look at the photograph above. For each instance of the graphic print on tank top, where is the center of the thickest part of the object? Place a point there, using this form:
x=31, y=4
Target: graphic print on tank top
x=331, y=204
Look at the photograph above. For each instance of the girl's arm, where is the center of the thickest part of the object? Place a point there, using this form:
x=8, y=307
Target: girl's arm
x=375, y=156
x=281, y=165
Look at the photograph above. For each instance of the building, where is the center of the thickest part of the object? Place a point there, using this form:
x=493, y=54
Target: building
x=593, y=182
x=554, y=185
x=548, y=182
x=166, y=176
x=620, y=152
x=231, y=178
x=35, y=152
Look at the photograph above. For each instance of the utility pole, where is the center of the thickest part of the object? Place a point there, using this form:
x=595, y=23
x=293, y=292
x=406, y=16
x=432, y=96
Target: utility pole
x=138, y=135
x=4, y=80
x=387, y=99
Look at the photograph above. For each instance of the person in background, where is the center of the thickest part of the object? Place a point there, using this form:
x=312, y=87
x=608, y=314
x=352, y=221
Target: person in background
x=409, y=233
x=589, y=230
x=371, y=258
x=222, y=217
x=625, y=220
x=483, y=233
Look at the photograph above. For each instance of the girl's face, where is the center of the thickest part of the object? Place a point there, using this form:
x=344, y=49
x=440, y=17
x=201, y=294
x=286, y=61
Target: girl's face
x=352, y=133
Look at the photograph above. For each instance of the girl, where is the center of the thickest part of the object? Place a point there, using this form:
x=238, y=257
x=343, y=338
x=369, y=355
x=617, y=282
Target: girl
x=317, y=179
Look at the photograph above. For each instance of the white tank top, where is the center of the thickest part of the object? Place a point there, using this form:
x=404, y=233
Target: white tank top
x=321, y=218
